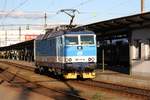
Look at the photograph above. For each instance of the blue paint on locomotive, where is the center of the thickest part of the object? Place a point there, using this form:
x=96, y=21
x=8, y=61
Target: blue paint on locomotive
x=80, y=32
x=46, y=47
x=66, y=53
x=55, y=47
x=85, y=51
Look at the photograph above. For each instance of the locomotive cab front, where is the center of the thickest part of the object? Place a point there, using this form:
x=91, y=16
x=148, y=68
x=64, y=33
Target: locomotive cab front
x=80, y=54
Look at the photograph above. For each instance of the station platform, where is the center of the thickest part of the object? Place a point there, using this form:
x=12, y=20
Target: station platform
x=108, y=76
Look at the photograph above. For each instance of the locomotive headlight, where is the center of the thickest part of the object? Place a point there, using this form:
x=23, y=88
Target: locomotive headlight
x=68, y=59
x=91, y=59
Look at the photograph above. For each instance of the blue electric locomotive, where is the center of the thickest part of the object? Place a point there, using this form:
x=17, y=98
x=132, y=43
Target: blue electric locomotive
x=71, y=54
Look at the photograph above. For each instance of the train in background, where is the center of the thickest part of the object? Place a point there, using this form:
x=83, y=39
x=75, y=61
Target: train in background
x=71, y=54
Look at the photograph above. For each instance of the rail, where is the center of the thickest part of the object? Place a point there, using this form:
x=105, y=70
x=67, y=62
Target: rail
x=98, y=84
x=71, y=95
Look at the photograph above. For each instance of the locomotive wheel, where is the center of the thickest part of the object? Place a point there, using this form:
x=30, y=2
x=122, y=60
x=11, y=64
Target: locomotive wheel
x=41, y=70
x=36, y=70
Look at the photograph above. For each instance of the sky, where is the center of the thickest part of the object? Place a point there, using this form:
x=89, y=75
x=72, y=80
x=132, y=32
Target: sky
x=90, y=11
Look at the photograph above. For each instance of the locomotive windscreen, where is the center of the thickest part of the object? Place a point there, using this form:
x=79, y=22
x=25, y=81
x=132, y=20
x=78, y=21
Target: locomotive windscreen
x=87, y=39
x=71, y=40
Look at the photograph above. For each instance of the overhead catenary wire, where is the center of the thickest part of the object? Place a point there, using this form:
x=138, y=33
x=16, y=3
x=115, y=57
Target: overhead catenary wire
x=119, y=4
x=28, y=15
x=4, y=18
x=12, y=12
x=21, y=4
x=25, y=14
x=82, y=3
x=94, y=13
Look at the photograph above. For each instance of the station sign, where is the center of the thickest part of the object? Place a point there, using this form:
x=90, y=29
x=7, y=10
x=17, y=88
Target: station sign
x=30, y=37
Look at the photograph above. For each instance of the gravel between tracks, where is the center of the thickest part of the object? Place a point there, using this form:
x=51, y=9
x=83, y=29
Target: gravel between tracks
x=66, y=86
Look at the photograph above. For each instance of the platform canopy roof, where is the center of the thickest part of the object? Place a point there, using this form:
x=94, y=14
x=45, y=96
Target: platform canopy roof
x=19, y=46
x=113, y=26
x=122, y=24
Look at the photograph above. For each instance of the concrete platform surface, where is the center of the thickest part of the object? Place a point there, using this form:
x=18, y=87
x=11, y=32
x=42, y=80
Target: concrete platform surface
x=123, y=79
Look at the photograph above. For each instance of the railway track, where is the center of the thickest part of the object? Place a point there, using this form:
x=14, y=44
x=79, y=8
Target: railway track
x=19, y=65
x=97, y=84
x=21, y=80
x=115, y=87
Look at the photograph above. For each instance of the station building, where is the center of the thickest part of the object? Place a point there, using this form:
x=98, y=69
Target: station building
x=126, y=43
x=10, y=37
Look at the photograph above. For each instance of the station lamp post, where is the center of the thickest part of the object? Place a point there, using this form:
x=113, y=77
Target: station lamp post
x=102, y=45
x=142, y=6
x=20, y=33
x=103, y=59
x=45, y=20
